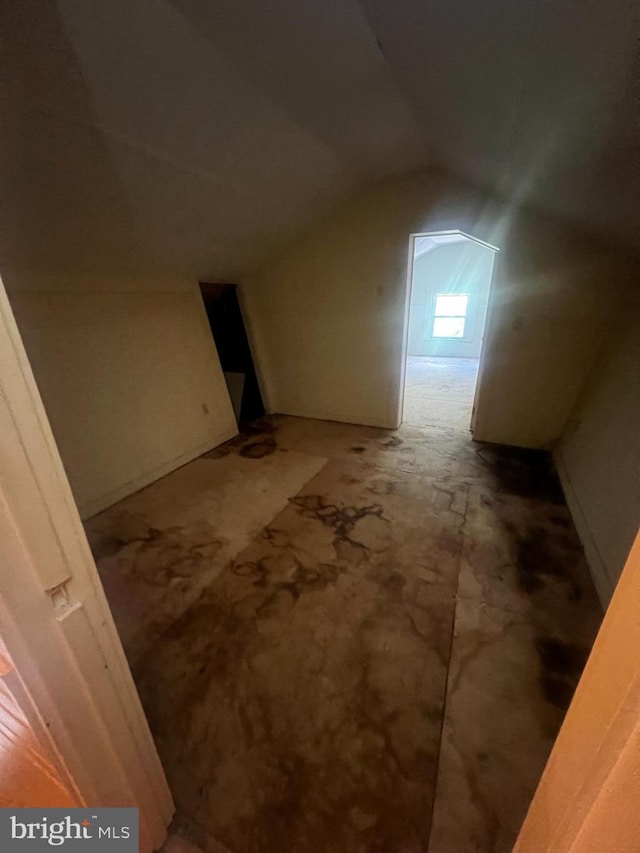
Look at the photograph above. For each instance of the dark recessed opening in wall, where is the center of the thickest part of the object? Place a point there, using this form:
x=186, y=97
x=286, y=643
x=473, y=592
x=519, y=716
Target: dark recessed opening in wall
x=230, y=337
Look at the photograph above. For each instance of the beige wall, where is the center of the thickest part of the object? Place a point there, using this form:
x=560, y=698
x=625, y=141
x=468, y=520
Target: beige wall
x=56, y=624
x=130, y=380
x=599, y=455
x=328, y=318
x=463, y=267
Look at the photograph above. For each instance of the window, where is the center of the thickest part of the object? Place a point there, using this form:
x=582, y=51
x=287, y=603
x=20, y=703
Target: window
x=449, y=315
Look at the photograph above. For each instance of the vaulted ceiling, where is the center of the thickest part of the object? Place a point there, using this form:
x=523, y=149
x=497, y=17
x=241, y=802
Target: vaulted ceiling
x=196, y=136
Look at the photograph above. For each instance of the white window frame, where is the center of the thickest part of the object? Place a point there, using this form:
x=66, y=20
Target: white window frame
x=432, y=317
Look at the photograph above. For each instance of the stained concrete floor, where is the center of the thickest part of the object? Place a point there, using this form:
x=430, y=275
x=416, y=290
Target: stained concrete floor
x=351, y=639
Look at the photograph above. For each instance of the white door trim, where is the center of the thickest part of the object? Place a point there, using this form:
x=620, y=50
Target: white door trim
x=407, y=312
x=55, y=620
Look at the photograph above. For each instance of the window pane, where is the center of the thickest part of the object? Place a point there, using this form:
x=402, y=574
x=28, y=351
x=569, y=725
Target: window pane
x=451, y=304
x=448, y=327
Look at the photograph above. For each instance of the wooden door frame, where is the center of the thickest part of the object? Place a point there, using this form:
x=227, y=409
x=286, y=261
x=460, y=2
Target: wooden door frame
x=55, y=620
x=587, y=798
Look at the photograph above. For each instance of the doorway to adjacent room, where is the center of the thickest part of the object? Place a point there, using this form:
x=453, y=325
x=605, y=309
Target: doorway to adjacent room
x=449, y=296
x=229, y=334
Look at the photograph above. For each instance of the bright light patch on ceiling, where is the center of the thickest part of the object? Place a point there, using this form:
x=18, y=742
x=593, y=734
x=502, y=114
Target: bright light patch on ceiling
x=428, y=242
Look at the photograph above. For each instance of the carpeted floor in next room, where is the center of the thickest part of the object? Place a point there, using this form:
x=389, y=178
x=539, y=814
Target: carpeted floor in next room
x=350, y=639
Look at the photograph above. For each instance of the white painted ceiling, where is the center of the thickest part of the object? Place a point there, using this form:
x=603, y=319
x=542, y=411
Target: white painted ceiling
x=428, y=242
x=536, y=99
x=194, y=137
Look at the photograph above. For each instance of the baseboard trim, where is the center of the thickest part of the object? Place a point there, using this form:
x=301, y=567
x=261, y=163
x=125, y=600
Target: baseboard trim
x=338, y=418
x=93, y=507
x=598, y=570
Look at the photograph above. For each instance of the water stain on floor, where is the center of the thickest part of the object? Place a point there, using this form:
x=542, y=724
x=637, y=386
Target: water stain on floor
x=373, y=655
